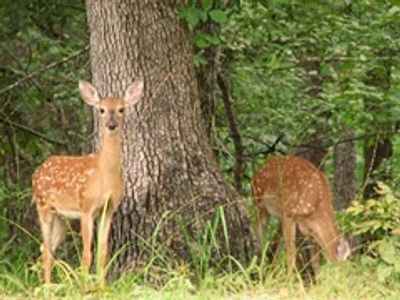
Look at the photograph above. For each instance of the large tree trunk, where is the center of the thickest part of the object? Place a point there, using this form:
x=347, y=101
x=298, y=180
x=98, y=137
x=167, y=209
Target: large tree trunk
x=344, y=156
x=171, y=175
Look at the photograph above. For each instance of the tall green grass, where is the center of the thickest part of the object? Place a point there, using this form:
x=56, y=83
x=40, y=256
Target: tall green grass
x=209, y=273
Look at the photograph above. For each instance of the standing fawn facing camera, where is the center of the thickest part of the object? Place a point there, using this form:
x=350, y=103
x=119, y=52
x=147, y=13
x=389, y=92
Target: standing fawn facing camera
x=298, y=194
x=79, y=187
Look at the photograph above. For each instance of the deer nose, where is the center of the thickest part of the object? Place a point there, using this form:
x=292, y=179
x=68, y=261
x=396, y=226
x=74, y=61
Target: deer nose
x=112, y=124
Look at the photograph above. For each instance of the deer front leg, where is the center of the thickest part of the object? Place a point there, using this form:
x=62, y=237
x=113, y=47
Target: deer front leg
x=105, y=237
x=289, y=235
x=103, y=240
x=87, y=236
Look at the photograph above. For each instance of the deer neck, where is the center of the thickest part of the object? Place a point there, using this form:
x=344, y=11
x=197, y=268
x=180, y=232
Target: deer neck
x=109, y=160
x=328, y=245
x=327, y=236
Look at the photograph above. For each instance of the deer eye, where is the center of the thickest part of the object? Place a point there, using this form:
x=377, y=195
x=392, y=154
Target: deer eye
x=121, y=110
x=102, y=110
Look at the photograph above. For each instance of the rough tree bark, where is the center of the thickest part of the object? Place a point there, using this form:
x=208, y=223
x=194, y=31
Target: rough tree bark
x=344, y=156
x=169, y=165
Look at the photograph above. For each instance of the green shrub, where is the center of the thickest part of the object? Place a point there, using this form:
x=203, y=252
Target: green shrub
x=377, y=221
x=377, y=218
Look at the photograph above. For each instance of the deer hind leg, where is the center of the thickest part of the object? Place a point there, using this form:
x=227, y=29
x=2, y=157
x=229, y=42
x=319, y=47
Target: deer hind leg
x=289, y=235
x=87, y=237
x=58, y=233
x=46, y=218
x=262, y=216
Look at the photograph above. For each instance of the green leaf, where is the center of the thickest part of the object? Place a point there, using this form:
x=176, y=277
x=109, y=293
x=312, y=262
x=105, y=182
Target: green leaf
x=394, y=10
x=207, y=4
x=199, y=60
x=367, y=260
x=397, y=266
x=327, y=70
x=383, y=272
x=218, y=16
x=388, y=252
x=363, y=57
x=213, y=39
x=203, y=15
x=200, y=41
x=191, y=15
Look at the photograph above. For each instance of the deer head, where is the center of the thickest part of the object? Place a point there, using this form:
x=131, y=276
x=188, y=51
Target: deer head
x=111, y=110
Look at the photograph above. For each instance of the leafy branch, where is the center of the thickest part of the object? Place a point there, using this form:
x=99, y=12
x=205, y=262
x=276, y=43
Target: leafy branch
x=197, y=14
x=48, y=67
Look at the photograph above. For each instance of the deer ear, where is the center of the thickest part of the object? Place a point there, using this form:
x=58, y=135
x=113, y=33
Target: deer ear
x=134, y=92
x=343, y=250
x=89, y=93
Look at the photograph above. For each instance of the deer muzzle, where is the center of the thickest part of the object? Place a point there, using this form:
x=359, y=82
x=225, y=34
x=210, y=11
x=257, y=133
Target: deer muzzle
x=112, y=123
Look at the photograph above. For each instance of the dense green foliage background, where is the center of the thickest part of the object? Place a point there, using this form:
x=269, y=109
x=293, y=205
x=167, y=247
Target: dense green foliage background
x=268, y=51
x=266, y=43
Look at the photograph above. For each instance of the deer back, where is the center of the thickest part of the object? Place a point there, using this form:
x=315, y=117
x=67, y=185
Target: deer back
x=288, y=185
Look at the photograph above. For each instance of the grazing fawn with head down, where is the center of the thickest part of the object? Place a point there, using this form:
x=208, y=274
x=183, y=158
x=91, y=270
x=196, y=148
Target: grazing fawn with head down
x=82, y=186
x=298, y=194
